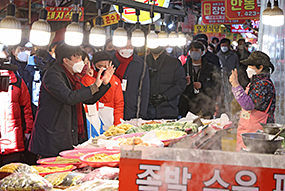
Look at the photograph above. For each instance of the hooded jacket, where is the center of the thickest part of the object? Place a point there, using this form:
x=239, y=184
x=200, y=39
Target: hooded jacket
x=11, y=103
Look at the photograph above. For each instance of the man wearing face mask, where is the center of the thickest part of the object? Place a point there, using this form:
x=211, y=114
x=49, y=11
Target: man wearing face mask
x=134, y=79
x=90, y=51
x=229, y=60
x=60, y=121
x=203, y=84
x=167, y=82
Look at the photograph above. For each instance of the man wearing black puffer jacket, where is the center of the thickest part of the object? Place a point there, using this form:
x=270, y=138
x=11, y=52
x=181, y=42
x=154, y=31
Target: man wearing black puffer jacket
x=167, y=82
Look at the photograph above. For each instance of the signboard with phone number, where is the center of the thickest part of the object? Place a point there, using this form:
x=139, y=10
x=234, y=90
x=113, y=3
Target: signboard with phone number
x=242, y=9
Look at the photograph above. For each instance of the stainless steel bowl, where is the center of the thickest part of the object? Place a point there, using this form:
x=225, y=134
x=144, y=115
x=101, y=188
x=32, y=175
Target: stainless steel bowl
x=260, y=143
x=271, y=128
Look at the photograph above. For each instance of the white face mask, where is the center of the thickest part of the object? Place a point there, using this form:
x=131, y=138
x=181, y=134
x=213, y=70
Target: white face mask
x=23, y=56
x=250, y=72
x=169, y=50
x=78, y=67
x=126, y=53
x=90, y=56
x=224, y=48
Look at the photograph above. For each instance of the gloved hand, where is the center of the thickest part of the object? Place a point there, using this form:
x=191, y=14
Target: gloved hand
x=157, y=99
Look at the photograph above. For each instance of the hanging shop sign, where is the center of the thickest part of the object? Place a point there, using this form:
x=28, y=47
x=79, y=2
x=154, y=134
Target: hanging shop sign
x=213, y=12
x=63, y=13
x=155, y=175
x=188, y=24
x=242, y=9
x=109, y=19
x=129, y=14
x=207, y=29
x=240, y=29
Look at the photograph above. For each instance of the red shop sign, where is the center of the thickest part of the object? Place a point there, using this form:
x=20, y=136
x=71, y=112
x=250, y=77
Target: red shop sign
x=157, y=175
x=213, y=12
x=63, y=13
x=240, y=29
x=243, y=9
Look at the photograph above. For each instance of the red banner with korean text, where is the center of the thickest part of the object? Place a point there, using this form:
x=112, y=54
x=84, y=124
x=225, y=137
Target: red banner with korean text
x=136, y=174
x=213, y=12
x=242, y=9
x=63, y=13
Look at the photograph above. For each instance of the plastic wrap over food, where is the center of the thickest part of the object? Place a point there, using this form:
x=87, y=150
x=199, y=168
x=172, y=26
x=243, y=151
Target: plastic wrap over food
x=96, y=185
x=103, y=173
x=18, y=167
x=64, y=178
x=25, y=181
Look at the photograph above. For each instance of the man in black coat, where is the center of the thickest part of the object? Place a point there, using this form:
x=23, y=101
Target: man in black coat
x=167, y=82
x=202, y=84
x=60, y=121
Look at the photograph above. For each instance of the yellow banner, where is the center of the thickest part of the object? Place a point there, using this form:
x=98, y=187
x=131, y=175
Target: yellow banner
x=109, y=19
x=207, y=29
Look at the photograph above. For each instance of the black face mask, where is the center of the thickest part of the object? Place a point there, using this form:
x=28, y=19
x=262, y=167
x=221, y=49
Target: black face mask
x=157, y=50
x=4, y=83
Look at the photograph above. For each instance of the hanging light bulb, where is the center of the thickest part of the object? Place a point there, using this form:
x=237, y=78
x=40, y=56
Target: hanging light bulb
x=181, y=36
x=120, y=37
x=138, y=38
x=162, y=35
x=173, y=39
x=266, y=14
x=74, y=32
x=40, y=32
x=97, y=36
x=276, y=15
x=152, y=37
x=10, y=27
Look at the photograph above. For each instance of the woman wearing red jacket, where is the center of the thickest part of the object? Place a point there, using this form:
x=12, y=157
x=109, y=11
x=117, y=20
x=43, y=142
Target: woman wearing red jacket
x=111, y=105
x=12, y=102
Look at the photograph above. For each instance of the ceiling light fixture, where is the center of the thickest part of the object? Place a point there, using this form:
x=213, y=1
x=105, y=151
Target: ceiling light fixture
x=120, y=37
x=10, y=27
x=152, y=37
x=74, y=32
x=162, y=36
x=41, y=30
x=276, y=15
x=97, y=36
x=138, y=38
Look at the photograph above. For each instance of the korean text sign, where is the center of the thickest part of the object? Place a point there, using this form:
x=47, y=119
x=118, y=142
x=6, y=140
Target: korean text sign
x=213, y=12
x=136, y=174
x=207, y=29
x=243, y=9
x=110, y=19
x=63, y=13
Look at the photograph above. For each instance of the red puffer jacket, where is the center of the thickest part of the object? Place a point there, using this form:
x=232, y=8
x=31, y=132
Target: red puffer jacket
x=113, y=98
x=12, y=102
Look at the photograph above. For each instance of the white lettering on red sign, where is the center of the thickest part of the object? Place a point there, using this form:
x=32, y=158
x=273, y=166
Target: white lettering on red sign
x=245, y=185
x=172, y=178
x=279, y=179
x=152, y=181
x=216, y=178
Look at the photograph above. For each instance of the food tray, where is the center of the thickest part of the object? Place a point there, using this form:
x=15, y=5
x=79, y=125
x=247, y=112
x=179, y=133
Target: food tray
x=49, y=161
x=76, y=154
x=56, y=165
x=100, y=164
x=166, y=142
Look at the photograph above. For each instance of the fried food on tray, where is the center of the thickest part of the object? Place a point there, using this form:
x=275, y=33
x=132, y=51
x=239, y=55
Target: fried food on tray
x=130, y=141
x=104, y=158
x=61, y=160
x=43, y=169
x=115, y=130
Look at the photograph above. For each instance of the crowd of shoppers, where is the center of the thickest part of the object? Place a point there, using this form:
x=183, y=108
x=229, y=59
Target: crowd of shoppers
x=68, y=94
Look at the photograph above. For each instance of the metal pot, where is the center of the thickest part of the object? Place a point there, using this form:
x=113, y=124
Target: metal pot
x=271, y=128
x=260, y=143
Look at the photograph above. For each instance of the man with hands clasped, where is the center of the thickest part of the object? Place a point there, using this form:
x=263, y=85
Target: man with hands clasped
x=60, y=121
x=258, y=100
